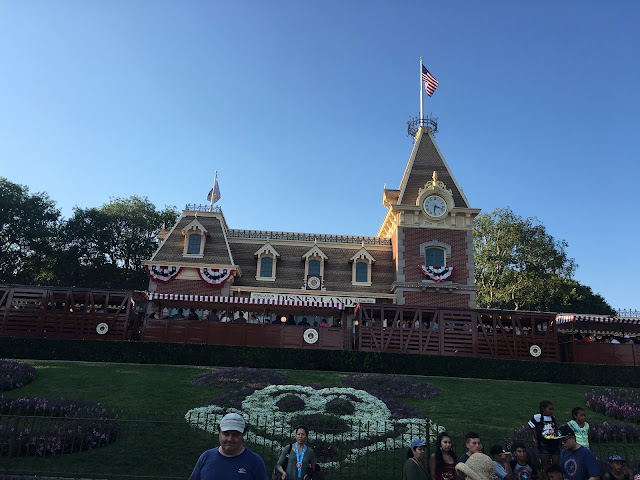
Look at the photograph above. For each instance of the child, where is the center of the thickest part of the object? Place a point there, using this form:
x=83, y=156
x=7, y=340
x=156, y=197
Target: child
x=554, y=472
x=580, y=426
x=617, y=470
x=522, y=467
x=500, y=463
x=544, y=429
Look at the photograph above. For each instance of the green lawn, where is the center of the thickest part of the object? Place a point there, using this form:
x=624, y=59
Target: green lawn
x=155, y=441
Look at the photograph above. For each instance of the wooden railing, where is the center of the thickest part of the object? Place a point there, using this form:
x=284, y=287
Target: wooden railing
x=478, y=333
x=244, y=334
x=64, y=313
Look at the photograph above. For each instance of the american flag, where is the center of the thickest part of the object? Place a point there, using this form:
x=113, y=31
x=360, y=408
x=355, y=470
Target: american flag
x=430, y=83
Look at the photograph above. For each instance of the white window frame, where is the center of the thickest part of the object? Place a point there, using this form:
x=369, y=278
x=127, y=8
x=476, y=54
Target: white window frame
x=194, y=228
x=267, y=250
x=314, y=254
x=361, y=256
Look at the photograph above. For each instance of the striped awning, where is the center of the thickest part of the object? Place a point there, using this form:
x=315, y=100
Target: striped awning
x=243, y=301
x=597, y=319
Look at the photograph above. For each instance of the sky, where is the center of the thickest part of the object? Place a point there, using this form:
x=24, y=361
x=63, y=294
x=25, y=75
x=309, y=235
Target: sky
x=301, y=108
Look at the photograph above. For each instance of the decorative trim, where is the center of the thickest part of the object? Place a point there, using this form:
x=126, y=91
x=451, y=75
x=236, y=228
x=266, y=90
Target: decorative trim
x=162, y=274
x=437, y=274
x=215, y=276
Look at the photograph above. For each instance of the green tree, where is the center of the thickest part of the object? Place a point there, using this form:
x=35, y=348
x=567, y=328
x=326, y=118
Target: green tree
x=519, y=265
x=105, y=247
x=29, y=225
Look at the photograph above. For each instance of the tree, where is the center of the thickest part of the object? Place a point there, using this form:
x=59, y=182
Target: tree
x=29, y=224
x=518, y=265
x=105, y=247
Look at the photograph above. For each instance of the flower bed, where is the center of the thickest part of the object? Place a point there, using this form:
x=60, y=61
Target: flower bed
x=55, y=426
x=337, y=436
x=15, y=374
x=387, y=387
x=620, y=403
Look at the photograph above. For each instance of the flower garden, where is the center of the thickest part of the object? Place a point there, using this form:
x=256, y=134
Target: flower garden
x=55, y=425
x=345, y=422
x=360, y=424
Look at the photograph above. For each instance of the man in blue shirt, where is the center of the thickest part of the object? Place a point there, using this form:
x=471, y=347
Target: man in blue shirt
x=577, y=462
x=231, y=460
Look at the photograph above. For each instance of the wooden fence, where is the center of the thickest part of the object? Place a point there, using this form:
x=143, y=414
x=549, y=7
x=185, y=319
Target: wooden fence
x=478, y=333
x=246, y=334
x=65, y=313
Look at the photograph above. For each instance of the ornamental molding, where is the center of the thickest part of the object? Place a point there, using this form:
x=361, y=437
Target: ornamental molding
x=434, y=184
x=194, y=225
x=267, y=249
x=362, y=254
x=315, y=252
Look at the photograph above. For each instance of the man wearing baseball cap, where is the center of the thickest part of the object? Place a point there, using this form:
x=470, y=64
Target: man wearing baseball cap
x=231, y=460
x=577, y=462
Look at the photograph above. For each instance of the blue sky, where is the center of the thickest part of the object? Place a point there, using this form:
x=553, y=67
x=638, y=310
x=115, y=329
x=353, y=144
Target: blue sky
x=301, y=107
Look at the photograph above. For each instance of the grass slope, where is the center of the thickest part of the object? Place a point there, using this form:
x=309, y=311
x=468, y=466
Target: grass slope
x=163, y=446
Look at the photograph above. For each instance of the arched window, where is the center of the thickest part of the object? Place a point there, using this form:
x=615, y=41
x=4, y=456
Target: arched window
x=266, y=267
x=195, y=239
x=434, y=257
x=314, y=267
x=362, y=272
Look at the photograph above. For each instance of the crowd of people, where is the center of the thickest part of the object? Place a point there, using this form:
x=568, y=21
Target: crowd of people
x=563, y=450
x=228, y=316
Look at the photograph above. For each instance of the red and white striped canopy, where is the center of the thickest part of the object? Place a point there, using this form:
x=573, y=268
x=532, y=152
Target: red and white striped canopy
x=597, y=319
x=243, y=301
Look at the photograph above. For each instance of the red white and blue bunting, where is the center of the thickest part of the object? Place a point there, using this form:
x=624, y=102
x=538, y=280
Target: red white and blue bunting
x=162, y=273
x=437, y=274
x=215, y=276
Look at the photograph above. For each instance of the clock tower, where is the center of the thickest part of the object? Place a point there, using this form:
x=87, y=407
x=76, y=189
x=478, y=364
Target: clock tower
x=430, y=224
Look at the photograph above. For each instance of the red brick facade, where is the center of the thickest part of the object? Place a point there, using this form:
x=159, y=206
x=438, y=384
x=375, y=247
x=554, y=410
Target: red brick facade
x=188, y=287
x=433, y=299
x=456, y=239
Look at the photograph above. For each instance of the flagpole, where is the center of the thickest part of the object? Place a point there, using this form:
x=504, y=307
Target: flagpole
x=421, y=96
x=212, y=192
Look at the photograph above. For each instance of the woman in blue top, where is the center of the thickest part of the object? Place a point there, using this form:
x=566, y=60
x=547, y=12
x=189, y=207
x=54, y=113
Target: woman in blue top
x=300, y=456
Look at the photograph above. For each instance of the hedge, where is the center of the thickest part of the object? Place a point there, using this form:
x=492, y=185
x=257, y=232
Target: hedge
x=315, y=359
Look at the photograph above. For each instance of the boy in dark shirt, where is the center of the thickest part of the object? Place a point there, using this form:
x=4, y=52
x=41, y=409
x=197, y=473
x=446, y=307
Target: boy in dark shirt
x=522, y=467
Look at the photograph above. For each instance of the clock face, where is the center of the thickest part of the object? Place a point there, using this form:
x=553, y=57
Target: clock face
x=434, y=206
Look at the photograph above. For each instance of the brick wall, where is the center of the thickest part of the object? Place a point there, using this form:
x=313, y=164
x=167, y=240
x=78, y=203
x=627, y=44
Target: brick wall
x=433, y=299
x=193, y=287
x=457, y=239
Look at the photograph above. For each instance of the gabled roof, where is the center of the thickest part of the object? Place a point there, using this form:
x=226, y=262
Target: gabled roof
x=267, y=249
x=315, y=251
x=362, y=253
x=425, y=159
x=216, y=247
x=193, y=225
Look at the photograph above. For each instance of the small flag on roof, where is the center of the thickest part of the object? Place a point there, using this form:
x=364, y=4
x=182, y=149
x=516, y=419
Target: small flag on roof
x=214, y=193
x=430, y=83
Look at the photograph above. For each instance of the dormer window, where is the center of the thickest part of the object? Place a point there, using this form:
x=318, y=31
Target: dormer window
x=361, y=270
x=314, y=269
x=194, y=239
x=266, y=266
